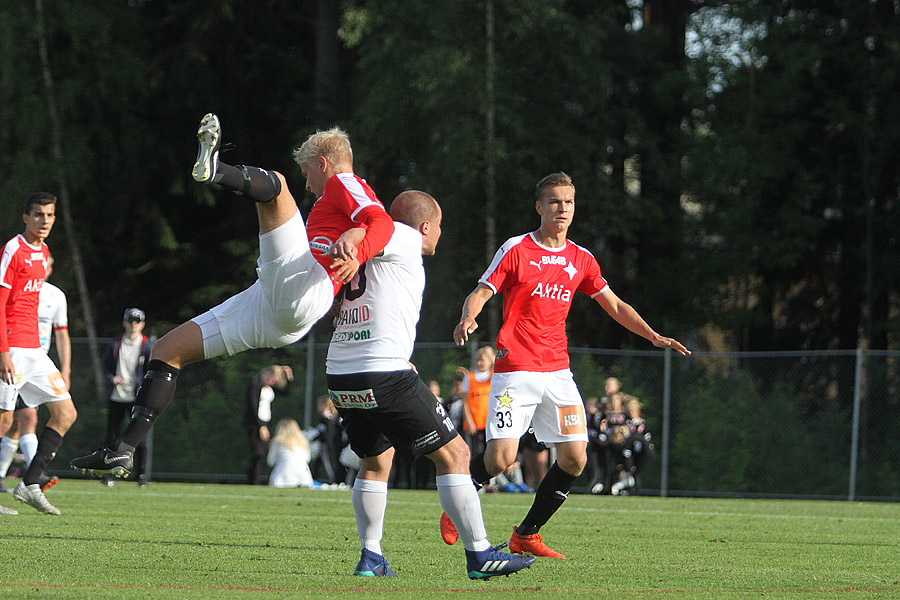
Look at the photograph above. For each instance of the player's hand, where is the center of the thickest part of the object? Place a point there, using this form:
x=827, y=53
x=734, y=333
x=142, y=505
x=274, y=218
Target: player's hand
x=463, y=329
x=288, y=372
x=664, y=342
x=263, y=433
x=342, y=249
x=7, y=369
x=344, y=269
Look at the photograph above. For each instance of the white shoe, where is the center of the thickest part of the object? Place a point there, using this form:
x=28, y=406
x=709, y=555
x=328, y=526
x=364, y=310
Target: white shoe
x=621, y=485
x=8, y=511
x=208, y=135
x=33, y=496
x=597, y=489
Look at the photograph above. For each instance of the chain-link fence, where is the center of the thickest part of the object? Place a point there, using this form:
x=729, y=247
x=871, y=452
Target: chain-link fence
x=780, y=424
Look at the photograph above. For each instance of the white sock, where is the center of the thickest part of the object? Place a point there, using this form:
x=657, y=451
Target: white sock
x=460, y=501
x=28, y=444
x=369, y=503
x=8, y=448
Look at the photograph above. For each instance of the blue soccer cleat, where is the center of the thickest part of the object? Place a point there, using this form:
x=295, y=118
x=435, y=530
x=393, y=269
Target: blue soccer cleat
x=373, y=565
x=491, y=562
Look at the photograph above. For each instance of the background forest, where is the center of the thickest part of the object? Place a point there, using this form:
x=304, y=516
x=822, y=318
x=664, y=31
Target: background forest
x=736, y=162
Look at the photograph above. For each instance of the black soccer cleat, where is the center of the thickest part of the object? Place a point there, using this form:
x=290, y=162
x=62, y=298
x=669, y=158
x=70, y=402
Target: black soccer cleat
x=105, y=461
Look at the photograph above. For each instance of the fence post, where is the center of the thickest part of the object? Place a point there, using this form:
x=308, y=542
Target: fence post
x=854, y=440
x=666, y=419
x=310, y=367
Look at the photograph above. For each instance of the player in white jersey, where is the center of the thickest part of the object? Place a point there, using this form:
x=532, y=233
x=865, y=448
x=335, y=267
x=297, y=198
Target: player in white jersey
x=53, y=320
x=385, y=404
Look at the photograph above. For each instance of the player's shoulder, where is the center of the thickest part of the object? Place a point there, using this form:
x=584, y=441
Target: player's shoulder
x=579, y=249
x=515, y=242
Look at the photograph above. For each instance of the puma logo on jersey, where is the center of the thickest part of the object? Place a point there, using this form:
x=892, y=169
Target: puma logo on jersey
x=552, y=292
x=537, y=264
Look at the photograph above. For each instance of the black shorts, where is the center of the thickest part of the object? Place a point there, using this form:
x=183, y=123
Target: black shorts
x=396, y=409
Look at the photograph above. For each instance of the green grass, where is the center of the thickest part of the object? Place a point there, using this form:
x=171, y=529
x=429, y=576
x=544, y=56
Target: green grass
x=174, y=541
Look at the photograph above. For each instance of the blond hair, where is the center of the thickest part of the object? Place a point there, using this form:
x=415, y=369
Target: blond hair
x=552, y=180
x=333, y=144
x=487, y=351
x=288, y=434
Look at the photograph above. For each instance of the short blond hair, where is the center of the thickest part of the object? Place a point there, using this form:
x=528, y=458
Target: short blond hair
x=552, y=180
x=333, y=144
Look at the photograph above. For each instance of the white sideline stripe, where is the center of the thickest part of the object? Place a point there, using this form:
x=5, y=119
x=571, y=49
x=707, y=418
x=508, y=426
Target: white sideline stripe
x=312, y=497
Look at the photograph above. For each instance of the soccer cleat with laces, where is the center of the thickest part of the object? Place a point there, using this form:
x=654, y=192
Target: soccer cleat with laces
x=209, y=136
x=373, y=565
x=48, y=482
x=8, y=511
x=448, y=530
x=33, y=496
x=491, y=562
x=531, y=544
x=103, y=461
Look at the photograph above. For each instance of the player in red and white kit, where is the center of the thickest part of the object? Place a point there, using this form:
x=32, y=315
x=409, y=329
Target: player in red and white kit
x=538, y=274
x=25, y=368
x=301, y=268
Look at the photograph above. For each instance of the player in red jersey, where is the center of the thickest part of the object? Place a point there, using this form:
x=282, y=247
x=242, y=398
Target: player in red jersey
x=25, y=369
x=538, y=274
x=301, y=268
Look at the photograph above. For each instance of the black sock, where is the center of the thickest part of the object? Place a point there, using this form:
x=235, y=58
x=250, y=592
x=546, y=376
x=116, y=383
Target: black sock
x=153, y=397
x=551, y=493
x=48, y=444
x=478, y=471
x=257, y=184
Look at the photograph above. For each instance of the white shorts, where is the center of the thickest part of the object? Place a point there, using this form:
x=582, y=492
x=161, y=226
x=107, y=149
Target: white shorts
x=292, y=293
x=550, y=402
x=37, y=380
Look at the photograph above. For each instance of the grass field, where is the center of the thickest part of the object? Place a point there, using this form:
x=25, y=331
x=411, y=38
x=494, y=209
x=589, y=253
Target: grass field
x=174, y=541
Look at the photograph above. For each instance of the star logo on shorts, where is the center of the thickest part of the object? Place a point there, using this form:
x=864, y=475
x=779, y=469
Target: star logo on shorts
x=505, y=400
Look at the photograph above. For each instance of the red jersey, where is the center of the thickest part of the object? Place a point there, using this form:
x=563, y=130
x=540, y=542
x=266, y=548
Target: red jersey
x=347, y=201
x=22, y=271
x=538, y=284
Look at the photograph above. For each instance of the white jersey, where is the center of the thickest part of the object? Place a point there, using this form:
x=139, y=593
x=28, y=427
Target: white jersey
x=52, y=313
x=376, y=328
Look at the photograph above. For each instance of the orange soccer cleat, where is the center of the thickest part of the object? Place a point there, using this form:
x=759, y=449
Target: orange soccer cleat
x=448, y=530
x=532, y=544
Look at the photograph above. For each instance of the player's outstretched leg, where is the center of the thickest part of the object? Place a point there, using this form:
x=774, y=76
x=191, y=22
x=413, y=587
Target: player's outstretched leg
x=491, y=562
x=257, y=184
x=373, y=565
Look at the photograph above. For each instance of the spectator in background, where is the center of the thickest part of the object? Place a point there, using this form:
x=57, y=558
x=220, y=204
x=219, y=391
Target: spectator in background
x=124, y=365
x=475, y=389
x=52, y=318
x=597, y=446
x=261, y=392
x=289, y=457
x=327, y=467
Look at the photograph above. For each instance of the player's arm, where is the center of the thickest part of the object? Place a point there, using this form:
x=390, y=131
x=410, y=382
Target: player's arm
x=471, y=309
x=7, y=369
x=623, y=314
x=378, y=232
x=64, y=351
